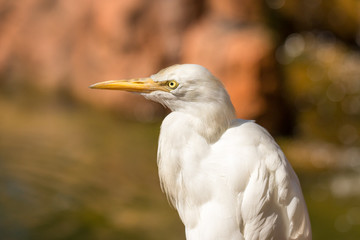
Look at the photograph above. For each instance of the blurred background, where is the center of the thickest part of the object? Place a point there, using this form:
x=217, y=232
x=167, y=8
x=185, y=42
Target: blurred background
x=77, y=163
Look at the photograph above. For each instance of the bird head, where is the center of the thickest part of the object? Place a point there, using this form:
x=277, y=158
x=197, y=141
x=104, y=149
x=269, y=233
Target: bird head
x=185, y=87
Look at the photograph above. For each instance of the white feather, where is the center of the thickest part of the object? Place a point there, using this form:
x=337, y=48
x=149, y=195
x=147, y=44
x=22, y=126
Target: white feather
x=227, y=178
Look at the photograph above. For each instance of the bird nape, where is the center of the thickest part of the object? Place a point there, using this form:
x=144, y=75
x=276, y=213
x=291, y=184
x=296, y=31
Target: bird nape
x=227, y=177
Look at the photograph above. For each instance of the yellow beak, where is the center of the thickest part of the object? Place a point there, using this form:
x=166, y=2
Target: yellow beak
x=143, y=85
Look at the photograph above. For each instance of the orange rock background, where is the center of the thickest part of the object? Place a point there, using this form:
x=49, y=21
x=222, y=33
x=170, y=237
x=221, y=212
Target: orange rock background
x=61, y=45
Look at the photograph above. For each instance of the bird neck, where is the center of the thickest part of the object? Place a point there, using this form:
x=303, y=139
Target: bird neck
x=210, y=120
x=184, y=141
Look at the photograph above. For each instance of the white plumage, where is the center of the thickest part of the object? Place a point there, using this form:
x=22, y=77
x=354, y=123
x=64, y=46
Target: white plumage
x=226, y=177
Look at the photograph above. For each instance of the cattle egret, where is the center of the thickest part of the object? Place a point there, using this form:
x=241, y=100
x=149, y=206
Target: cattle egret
x=227, y=177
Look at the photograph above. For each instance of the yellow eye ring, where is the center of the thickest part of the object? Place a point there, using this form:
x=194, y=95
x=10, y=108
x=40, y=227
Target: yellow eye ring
x=172, y=84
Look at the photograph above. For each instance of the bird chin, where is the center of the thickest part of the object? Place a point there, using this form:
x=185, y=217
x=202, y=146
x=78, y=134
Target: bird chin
x=159, y=97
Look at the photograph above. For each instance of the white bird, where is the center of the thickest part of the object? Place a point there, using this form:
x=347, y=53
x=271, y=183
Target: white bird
x=227, y=177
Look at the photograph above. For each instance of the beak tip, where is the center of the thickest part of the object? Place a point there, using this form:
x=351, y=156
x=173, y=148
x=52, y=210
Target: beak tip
x=92, y=86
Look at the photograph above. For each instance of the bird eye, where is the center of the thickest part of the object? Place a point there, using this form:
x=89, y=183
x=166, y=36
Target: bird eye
x=172, y=84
